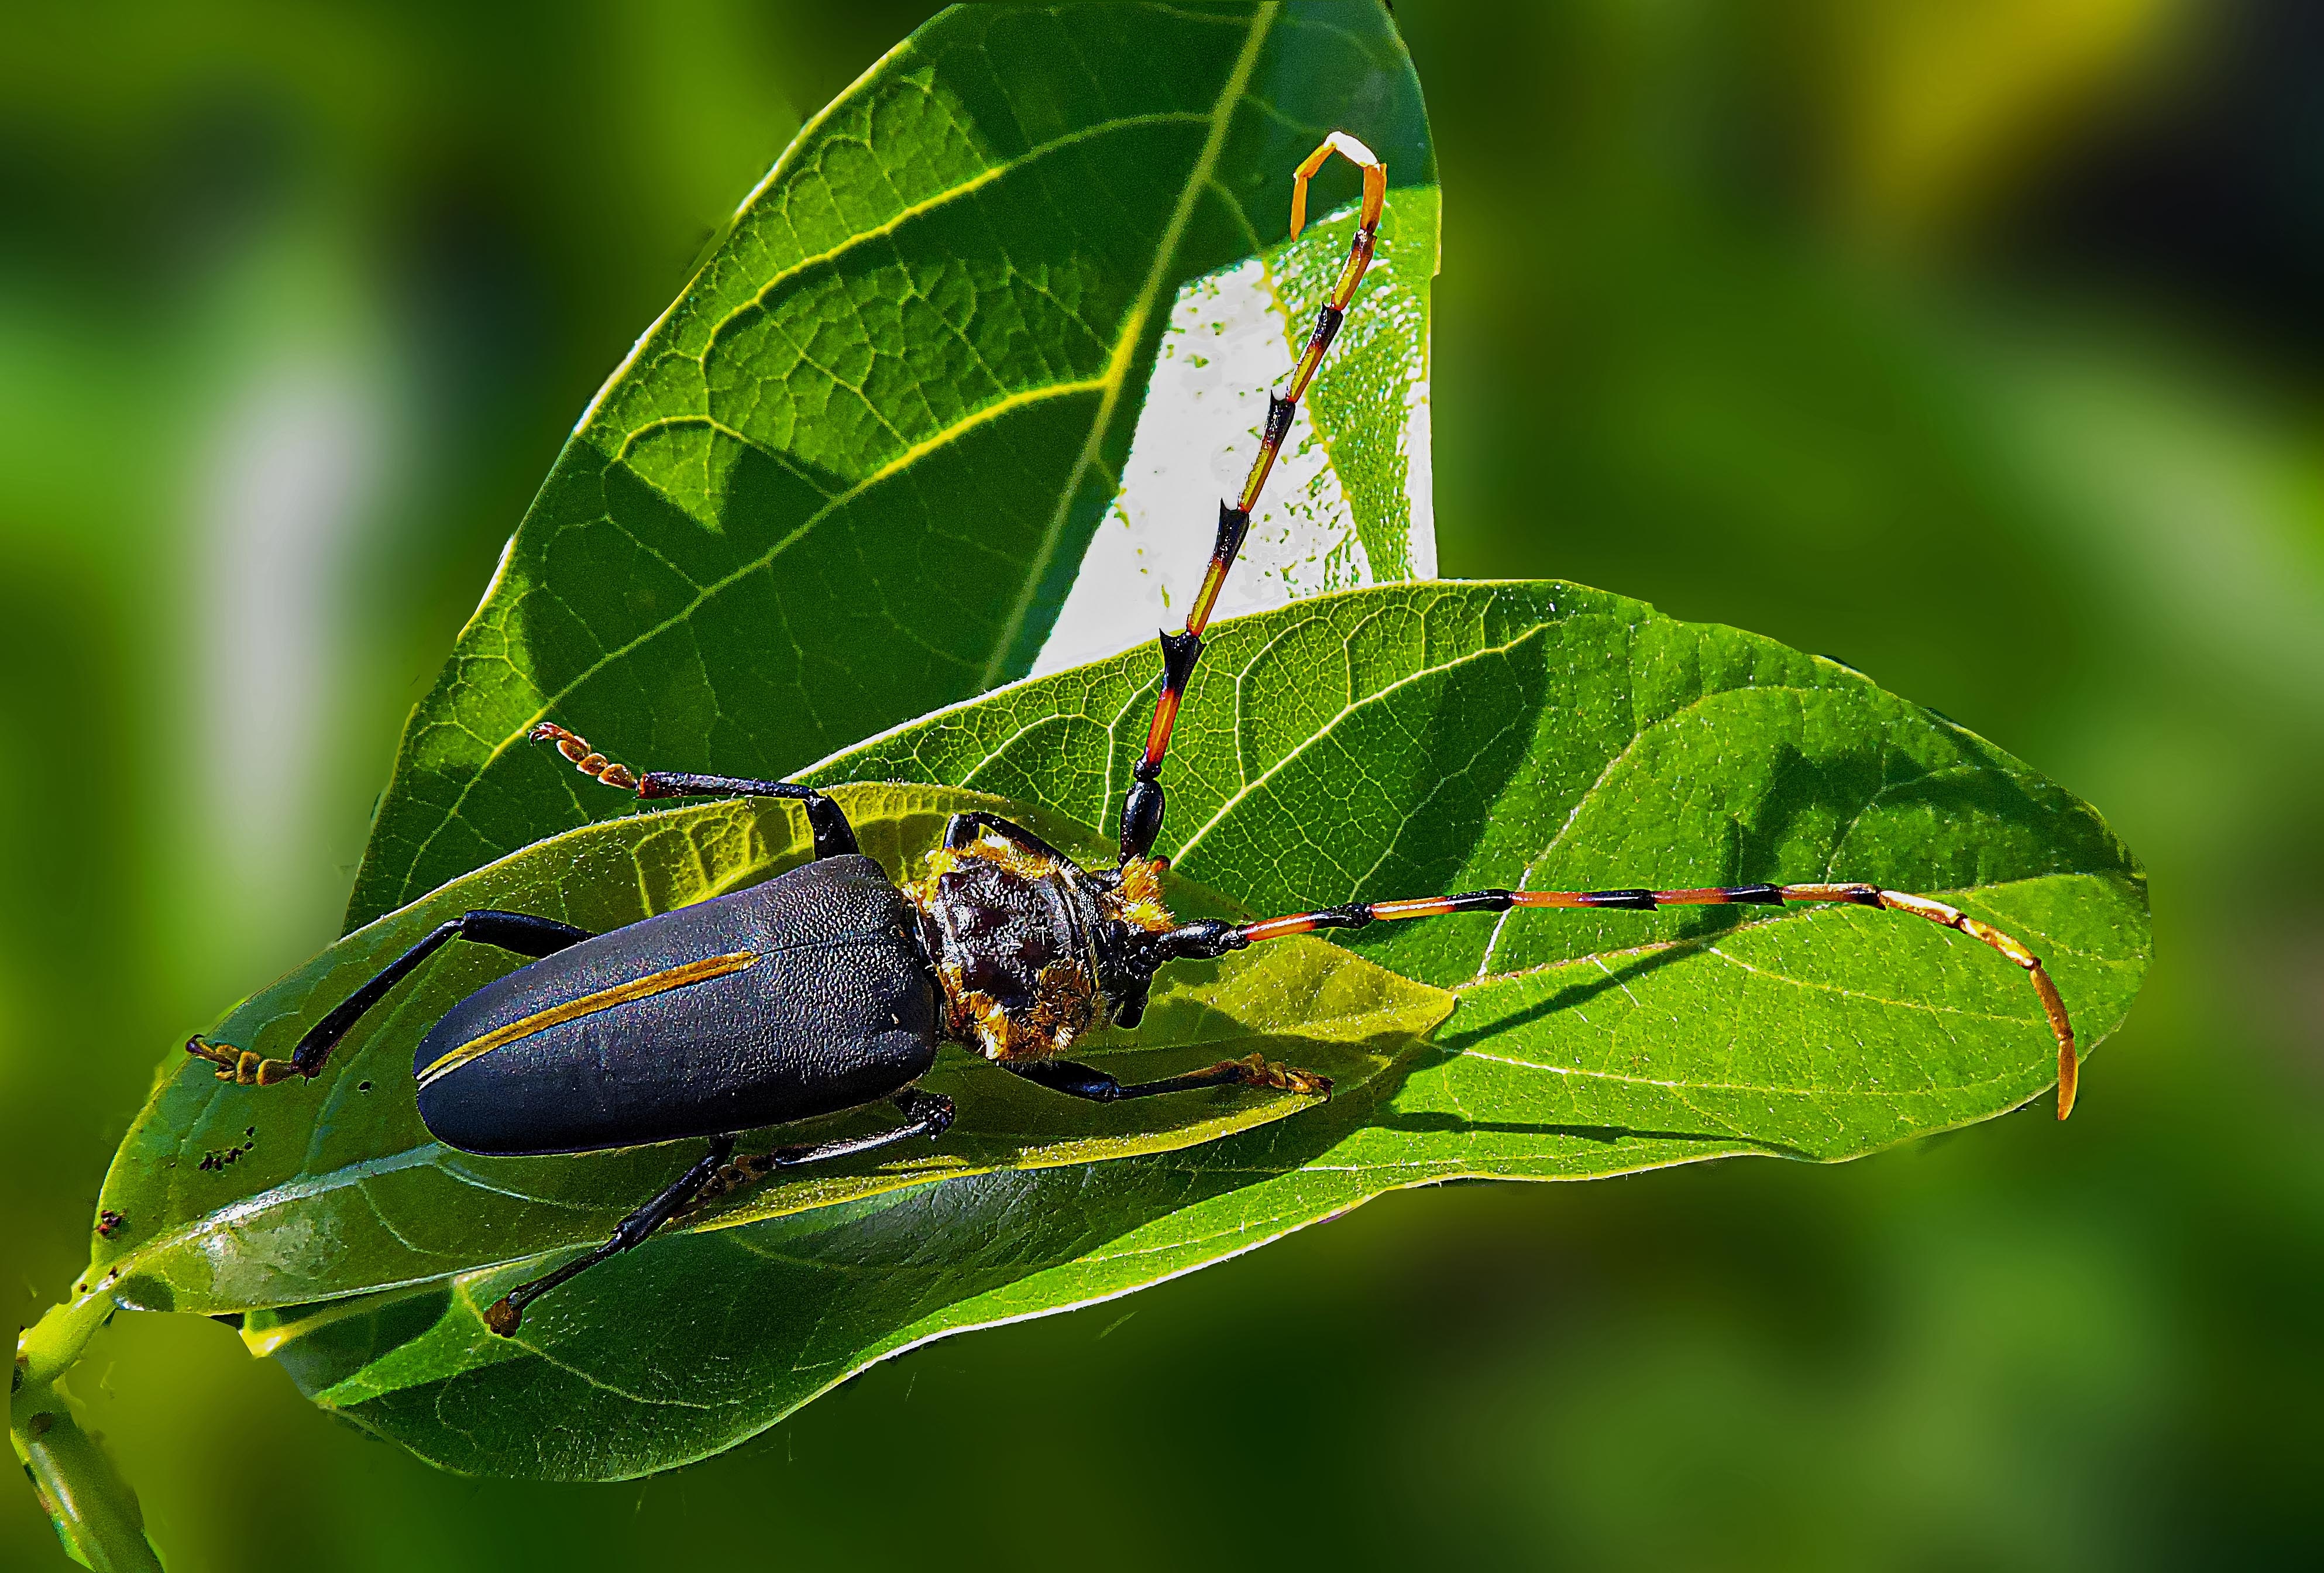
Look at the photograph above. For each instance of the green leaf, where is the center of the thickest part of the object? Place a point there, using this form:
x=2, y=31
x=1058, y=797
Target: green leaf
x=850, y=475
x=1412, y=739
x=1391, y=742
x=239, y=1197
x=1415, y=740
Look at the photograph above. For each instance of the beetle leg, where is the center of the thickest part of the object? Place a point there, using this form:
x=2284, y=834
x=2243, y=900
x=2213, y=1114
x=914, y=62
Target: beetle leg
x=925, y=1113
x=834, y=836
x=242, y=1066
x=962, y=830
x=1082, y=1081
x=519, y=931
x=503, y=1314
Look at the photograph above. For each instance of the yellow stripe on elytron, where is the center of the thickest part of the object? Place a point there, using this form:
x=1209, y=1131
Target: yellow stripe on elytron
x=588, y=1004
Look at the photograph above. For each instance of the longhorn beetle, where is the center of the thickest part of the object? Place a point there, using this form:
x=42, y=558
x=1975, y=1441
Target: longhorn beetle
x=829, y=988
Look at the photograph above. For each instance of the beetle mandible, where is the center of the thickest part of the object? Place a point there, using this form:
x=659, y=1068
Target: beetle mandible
x=830, y=987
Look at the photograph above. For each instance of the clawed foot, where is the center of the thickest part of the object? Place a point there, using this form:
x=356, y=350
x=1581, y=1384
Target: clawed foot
x=242, y=1066
x=750, y=1168
x=1257, y=1071
x=743, y=1173
x=584, y=758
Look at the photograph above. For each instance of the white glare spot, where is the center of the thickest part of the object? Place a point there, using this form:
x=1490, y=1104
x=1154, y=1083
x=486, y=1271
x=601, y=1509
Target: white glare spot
x=1227, y=343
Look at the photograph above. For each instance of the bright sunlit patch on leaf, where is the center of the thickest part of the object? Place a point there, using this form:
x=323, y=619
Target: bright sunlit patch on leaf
x=1353, y=468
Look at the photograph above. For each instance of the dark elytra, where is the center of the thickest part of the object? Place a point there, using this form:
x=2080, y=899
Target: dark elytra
x=839, y=1010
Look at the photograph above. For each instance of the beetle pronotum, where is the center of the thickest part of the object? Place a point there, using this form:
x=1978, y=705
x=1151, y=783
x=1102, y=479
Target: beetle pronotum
x=829, y=987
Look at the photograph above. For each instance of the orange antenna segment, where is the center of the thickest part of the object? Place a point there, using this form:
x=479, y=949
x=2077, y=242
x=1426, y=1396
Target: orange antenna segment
x=1355, y=152
x=1141, y=811
x=1358, y=914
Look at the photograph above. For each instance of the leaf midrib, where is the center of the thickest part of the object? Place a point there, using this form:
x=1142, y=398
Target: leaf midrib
x=1125, y=348
x=1109, y=389
x=928, y=204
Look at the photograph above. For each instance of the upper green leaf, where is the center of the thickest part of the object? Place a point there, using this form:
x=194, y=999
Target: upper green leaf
x=850, y=475
x=1392, y=742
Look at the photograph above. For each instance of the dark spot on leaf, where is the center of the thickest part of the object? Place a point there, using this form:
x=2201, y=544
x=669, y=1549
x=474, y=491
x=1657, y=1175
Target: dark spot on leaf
x=144, y=1292
x=214, y=1159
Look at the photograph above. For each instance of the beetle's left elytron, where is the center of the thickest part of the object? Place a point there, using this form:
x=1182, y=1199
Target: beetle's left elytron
x=829, y=988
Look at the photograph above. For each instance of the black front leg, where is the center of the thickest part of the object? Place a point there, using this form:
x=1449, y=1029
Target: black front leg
x=964, y=828
x=1082, y=1081
x=519, y=931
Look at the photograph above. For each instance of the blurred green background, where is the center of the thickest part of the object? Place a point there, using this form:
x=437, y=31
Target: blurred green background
x=1974, y=343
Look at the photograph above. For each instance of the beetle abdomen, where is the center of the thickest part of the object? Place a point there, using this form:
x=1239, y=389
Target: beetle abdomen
x=804, y=995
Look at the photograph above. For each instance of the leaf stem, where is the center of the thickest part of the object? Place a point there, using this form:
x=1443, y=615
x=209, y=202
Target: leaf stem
x=96, y=1514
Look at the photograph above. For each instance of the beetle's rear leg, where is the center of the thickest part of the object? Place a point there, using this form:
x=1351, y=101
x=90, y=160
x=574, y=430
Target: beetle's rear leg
x=834, y=836
x=503, y=1314
x=1084, y=1081
x=927, y=1114
x=519, y=931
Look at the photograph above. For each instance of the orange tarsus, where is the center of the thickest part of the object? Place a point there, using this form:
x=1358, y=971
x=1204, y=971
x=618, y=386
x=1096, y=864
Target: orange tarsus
x=582, y=757
x=242, y=1066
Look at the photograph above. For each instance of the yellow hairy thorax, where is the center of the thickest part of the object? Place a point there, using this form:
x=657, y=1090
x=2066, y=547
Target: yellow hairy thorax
x=1138, y=901
x=1067, y=1001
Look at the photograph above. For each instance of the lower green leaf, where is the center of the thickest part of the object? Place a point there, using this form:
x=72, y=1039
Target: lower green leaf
x=678, y=1352
x=1384, y=742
